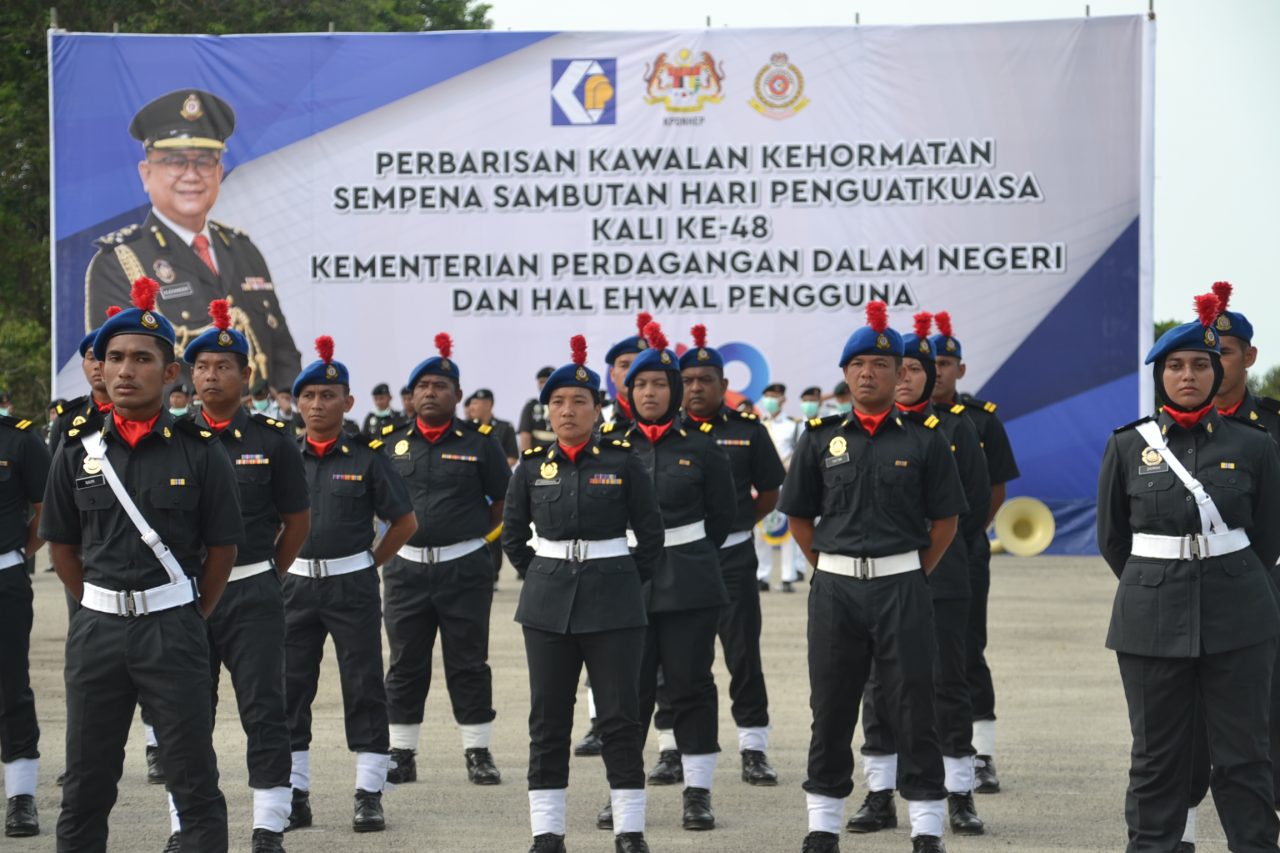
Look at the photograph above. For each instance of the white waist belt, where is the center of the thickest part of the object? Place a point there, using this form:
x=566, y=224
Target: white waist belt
x=120, y=603
x=11, y=559
x=239, y=573
x=581, y=550
x=682, y=535
x=736, y=539
x=443, y=554
x=328, y=568
x=866, y=568
x=1189, y=547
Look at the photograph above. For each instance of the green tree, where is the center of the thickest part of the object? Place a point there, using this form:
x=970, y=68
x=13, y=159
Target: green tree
x=24, y=128
x=1266, y=384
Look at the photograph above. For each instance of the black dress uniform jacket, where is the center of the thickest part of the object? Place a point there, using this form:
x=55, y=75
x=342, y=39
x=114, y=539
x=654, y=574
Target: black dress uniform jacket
x=1260, y=411
x=693, y=482
x=875, y=494
x=1001, y=466
x=950, y=580
x=82, y=414
x=349, y=485
x=270, y=476
x=599, y=497
x=752, y=457
x=1182, y=608
x=24, y=472
x=181, y=481
x=187, y=285
x=451, y=482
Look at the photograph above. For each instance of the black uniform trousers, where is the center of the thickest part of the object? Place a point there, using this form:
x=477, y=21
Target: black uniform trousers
x=981, y=689
x=246, y=632
x=613, y=661
x=950, y=694
x=19, y=732
x=683, y=644
x=739, y=630
x=112, y=664
x=453, y=599
x=348, y=608
x=1233, y=693
x=854, y=624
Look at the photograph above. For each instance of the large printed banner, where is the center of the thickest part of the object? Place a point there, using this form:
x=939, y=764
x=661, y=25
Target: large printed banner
x=513, y=189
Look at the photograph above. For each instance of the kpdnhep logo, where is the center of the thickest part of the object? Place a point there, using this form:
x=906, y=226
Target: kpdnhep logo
x=583, y=91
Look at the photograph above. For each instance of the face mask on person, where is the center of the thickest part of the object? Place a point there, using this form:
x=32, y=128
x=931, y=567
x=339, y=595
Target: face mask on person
x=809, y=408
x=178, y=411
x=261, y=405
x=382, y=413
x=4, y=411
x=844, y=408
x=770, y=405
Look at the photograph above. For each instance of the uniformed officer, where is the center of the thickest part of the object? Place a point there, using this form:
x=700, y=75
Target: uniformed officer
x=382, y=415
x=582, y=600
x=534, y=427
x=619, y=358
x=694, y=485
x=246, y=632
x=183, y=136
x=1234, y=400
x=143, y=521
x=773, y=537
x=442, y=580
x=889, y=498
x=79, y=412
x=949, y=588
x=1001, y=468
x=757, y=476
x=1187, y=503
x=332, y=588
x=24, y=473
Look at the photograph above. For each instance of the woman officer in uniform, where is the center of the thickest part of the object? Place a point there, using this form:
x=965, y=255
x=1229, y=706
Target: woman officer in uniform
x=582, y=599
x=1187, y=509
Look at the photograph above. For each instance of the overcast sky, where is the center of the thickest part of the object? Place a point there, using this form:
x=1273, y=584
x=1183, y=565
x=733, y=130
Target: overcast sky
x=1217, y=169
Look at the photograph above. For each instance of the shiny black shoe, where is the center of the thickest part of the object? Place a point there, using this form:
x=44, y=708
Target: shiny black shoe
x=630, y=842
x=300, y=811
x=591, y=744
x=878, y=812
x=368, y=815
x=787, y=586
x=756, y=769
x=697, y=810
x=174, y=844
x=480, y=767
x=964, y=817
x=984, y=773
x=266, y=841
x=547, y=842
x=668, y=770
x=763, y=586
x=604, y=817
x=155, y=773
x=821, y=842
x=20, y=817
x=403, y=767
x=927, y=844
x=1185, y=847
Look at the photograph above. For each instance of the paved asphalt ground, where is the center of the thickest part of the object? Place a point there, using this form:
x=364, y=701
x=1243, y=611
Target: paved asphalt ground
x=1062, y=751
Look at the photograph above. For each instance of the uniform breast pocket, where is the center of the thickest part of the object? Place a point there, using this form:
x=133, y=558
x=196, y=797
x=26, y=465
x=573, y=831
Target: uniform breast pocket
x=175, y=498
x=253, y=475
x=94, y=497
x=899, y=485
x=839, y=483
x=1231, y=490
x=6, y=470
x=545, y=506
x=1153, y=497
x=349, y=489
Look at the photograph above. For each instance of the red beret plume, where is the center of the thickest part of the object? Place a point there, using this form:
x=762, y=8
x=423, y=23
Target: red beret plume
x=1207, y=308
x=653, y=334
x=643, y=319
x=877, y=316
x=113, y=311
x=578, y=344
x=444, y=345
x=324, y=348
x=923, y=321
x=1222, y=290
x=143, y=293
x=943, y=321
x=220, y=311
x=699, y=333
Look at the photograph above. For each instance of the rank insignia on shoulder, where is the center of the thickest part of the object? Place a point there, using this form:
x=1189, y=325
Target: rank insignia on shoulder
x=815, y=422
x=58, y=408
x=375, y=444
x=931, y=422
x=748, y=416
x=706, y=427
x=533, y=451
x=989, y=407
x=607, y=427
x=23, y=424
x=623, y=444
x=73, y=432
x=485, y=429
x=957, y=409
x=204, y=433
x=388, y=429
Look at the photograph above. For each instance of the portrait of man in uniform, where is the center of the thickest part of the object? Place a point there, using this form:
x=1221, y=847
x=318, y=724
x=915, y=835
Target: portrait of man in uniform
x=194, y=258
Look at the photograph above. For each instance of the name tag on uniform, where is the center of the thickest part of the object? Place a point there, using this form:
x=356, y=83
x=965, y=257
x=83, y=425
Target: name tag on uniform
x=174, y=291
x=605, y=480
x=554, y=482
x=459, y=457
x=833, y=461
x=253, y=459
x=733, y=442
x=351, y=478
x=90, y=482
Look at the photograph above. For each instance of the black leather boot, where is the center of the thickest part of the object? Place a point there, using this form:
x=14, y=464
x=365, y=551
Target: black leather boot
x=878, y=812
x=697, y=810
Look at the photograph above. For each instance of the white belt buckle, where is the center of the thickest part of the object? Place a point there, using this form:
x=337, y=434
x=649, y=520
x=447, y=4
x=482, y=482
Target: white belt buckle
x=431, y=556
x=124, y=604
x=866, y=568
x=319, y=569
x=578, y=551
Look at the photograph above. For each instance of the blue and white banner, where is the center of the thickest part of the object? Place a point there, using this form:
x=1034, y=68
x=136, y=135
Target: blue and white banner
x=514, y=189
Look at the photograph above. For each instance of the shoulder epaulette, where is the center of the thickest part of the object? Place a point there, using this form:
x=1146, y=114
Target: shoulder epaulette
x=624, y=444
x=957, y=409
x=533, y=451
x=706, y=427
x=117, y=238
x=931, y=422
x=814, y=423
x=989, y=407
x=748, y=416
x=484, y=429
x=1269, y=404
x=190, y=427
x=1134, y=424
x=608, y=427
x=388, y=429
x=375, y=444
x=226, y=231
x=268, y=421
x=16, y=423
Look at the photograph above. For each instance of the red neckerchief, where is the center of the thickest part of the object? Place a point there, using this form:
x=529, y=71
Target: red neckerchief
x=917, y=408
x=871, y=423
x=320, y=448
x=626, y=408
x=103, y=407
x=699, y=420
x=216, y=426
x=653, y=432
x=572, y=452
x=1187, y=420
x=133, y=431
x=1230, y=411
x=433, y=434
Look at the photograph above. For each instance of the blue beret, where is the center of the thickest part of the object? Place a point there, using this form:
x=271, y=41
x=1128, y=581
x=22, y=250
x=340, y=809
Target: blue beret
x=214, y=339
x=868, y=340
x=134, y=321
x=701, y=357
x=86, y=343
x=653, y=359
x=437, y=365
x=946, y=345
x=1189, y=336
x=320, y=372
x=1235, y=324
x=635, y=343
x=570, y=376
x=914, y=346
